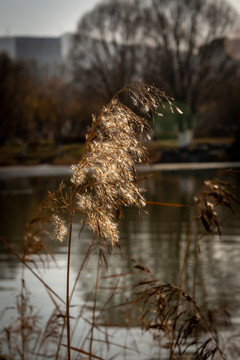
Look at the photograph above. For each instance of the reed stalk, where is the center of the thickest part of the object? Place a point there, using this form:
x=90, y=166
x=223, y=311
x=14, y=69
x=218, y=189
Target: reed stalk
x=95, y=305
x=68, y=282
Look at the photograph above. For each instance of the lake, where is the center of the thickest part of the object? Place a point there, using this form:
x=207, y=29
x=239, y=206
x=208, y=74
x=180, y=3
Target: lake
x=156, y=238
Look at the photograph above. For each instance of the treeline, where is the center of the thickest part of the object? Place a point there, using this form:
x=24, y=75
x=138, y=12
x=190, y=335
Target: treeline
x=184, y=47
x=34, y=107
x=180, y=46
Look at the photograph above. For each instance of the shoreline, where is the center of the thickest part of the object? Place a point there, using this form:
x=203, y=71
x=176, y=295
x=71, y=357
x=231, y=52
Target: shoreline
x=18, y=171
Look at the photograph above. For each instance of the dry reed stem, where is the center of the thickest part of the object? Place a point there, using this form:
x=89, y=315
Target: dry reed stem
x=31, y=270
x=95, y=304
x=168, y=302
x=68, y=278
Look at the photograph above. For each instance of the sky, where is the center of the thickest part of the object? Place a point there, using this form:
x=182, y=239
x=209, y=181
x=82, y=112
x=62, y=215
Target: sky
x=41, y=17
x=47, y=17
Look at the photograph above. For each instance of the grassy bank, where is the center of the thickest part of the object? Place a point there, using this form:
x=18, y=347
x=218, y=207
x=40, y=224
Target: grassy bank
x=47, y=152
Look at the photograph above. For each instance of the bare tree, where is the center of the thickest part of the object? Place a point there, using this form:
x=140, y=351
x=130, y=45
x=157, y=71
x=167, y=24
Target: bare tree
x=188, y=58
x=104, y=53
x=176, y=44
x=187, y=38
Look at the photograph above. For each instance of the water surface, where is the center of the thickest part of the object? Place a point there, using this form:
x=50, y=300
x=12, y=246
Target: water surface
x=156, y=238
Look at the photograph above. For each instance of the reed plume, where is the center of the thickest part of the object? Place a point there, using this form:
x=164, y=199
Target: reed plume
x=218, y=193
x=105, y=178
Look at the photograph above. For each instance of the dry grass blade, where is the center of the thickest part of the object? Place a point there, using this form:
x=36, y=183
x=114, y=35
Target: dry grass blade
x=30, y=269
x=167, y=308
x=166, y=204
x=138, y=265
x=45, y=222
x=22, y=335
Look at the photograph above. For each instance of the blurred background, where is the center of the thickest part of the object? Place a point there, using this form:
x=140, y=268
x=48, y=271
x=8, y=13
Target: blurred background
x=61, y=62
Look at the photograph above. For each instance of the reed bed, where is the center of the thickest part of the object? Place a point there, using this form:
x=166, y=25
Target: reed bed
x=104, y=181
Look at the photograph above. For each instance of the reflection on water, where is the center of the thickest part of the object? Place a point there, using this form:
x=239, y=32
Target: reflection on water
x=156, y=238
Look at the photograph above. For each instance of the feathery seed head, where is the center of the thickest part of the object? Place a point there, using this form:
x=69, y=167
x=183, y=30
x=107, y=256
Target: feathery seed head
x=106, y=178
x=60, y=228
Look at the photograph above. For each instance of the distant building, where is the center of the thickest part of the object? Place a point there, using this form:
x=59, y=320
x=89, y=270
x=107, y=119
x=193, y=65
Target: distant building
x=8, y=46
x=49, y=53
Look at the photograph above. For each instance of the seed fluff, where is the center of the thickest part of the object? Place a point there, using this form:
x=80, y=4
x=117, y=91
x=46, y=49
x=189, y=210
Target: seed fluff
x=106, y=178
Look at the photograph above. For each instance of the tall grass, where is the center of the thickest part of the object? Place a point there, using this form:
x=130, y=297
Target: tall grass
x=102, y=183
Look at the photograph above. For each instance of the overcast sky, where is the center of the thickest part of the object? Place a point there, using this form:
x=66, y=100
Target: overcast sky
x=47, y=17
